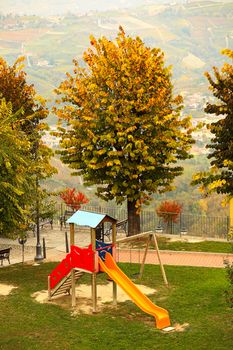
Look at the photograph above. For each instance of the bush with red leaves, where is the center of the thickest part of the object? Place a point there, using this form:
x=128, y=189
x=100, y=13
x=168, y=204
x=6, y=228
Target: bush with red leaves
x=73, y=199
x=169, y=211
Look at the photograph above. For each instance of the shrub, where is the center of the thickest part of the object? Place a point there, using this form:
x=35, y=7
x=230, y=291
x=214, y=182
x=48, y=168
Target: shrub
x=72, y=199
x=169, y=211
x=229, y=292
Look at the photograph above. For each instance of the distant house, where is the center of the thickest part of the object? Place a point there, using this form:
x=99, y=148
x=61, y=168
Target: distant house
x=43, y=63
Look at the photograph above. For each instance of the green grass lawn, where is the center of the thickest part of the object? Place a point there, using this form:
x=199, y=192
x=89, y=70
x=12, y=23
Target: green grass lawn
x=205, y=246
x=196, y=296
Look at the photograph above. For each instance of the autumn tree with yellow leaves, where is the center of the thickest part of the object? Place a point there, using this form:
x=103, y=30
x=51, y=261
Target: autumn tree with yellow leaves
x=120, y=125
x=13, y=168
x=28, y=122
x=219, y=178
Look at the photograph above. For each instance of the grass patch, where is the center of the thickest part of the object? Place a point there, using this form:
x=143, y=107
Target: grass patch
x=195, y=296
x=205, y=246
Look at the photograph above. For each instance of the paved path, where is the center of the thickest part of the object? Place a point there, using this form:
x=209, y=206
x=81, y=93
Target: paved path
x=56, y=251
x=175, y=258
x=54, y=240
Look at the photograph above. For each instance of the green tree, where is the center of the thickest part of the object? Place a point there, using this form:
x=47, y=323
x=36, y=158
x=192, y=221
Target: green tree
x=30, y=114
x=13, y=179
x=125, y=132
x=219, y=178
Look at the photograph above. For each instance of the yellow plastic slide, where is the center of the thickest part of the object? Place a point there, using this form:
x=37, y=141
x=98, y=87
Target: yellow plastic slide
x=110, y=267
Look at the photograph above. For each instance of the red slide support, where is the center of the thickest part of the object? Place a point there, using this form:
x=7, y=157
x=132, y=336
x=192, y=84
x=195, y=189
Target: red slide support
x=81, y=258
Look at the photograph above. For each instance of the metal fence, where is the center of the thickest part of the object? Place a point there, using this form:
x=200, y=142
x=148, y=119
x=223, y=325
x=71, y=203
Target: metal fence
x=193, y=225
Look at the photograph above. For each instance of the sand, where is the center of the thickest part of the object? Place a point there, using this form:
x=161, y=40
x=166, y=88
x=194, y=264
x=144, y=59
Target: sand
x=5, y=289
x=84, y=302
x=83, y=297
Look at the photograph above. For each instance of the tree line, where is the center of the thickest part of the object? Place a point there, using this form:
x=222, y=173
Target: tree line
x=120, y=127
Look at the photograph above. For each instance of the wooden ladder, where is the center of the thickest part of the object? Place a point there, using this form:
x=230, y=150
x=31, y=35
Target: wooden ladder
x=64, y=285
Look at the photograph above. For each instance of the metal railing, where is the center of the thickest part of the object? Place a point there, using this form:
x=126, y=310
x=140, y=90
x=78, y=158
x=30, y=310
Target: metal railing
x=185, y=223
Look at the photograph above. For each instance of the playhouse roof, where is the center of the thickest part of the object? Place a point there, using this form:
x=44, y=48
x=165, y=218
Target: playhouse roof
x=86, y=218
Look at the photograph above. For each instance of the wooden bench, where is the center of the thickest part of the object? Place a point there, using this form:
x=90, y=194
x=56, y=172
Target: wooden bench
x=46, y=222
x=5, y=255
x=42, y=223
x=119, y=225
x=64, y=217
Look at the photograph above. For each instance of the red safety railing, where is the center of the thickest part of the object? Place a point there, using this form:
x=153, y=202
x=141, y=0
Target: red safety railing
x=81, y=258
x=60, y=271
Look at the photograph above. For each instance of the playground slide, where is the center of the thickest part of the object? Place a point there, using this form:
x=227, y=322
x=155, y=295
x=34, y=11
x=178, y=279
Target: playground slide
x=143, y=302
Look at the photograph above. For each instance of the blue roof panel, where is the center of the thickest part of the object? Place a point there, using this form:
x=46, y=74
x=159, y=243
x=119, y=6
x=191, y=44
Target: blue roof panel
x=85, y=218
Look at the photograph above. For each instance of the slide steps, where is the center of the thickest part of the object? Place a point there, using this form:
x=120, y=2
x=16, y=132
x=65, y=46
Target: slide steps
x=64, y=285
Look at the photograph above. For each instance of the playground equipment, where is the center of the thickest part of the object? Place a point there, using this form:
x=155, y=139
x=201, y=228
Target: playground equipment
x=81, y=260
x=161, y=315
x=150, y=237
x=99, y=256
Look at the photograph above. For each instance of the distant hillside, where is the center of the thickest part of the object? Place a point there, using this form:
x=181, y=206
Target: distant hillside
x=61, y=7
x=58, y=7
x=191, y=33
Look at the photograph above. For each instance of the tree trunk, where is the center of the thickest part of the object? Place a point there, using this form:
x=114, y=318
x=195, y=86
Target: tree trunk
x=133, y=219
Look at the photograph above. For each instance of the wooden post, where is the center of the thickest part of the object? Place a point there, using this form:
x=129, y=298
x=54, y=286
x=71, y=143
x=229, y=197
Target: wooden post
x=160, y=262
x=94, y=285
x=131, y=238
x=71, y=234
x=114, y=239
x=114, y=285
x=94, y=293
x=231, y=217
x=73, y=294
x=49, y=289
x=144, y=257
